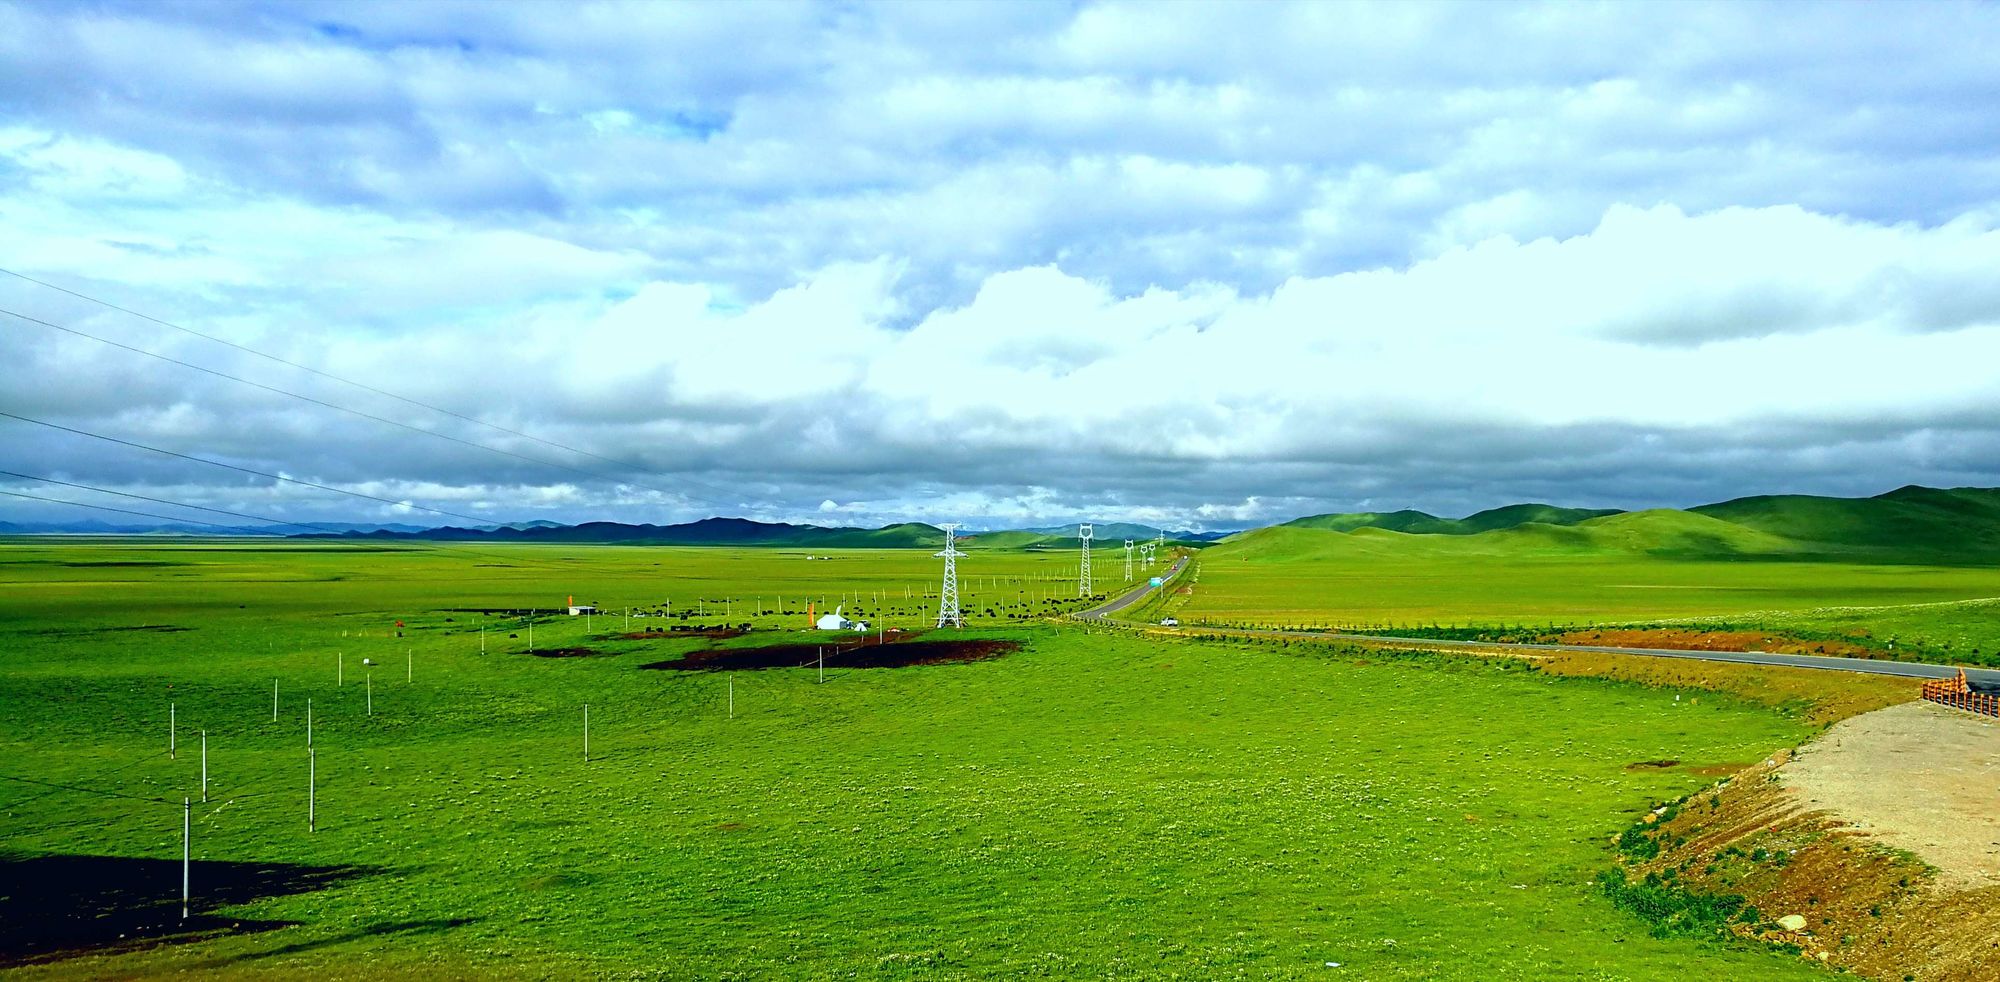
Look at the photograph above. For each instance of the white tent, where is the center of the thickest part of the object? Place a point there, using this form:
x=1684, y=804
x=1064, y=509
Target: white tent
x=835, y=622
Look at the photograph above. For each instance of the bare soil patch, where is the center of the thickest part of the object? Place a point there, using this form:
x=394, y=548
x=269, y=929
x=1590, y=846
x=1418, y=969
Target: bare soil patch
x=564, y=652
x=869, y=654
x=1872, y=836
x=1919, y=777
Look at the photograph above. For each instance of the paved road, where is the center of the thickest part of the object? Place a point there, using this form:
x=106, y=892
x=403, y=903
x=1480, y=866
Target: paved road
x=1984, y=679
x=1133, y=596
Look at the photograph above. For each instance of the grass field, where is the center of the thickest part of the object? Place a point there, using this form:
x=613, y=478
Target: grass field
x=1092, y=805
x=1310, y=577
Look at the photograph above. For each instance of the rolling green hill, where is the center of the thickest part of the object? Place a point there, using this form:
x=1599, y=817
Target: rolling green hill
x=1423, y=523
x=1908, y=525
x=1396, y=521
x=1661, y=532
x=1909, y=521
x=1509, y=516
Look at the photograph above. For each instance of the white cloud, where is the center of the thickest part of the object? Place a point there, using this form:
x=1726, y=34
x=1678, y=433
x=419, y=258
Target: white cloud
x=1026, y=256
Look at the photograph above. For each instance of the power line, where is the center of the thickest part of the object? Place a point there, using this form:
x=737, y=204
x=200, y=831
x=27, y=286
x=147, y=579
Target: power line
x=359, y=385
x=246, y=349
x=142, y=514
x=417, y=545
x=72, y=787
x=160, y=501
x=243, y=470
x=321, y=402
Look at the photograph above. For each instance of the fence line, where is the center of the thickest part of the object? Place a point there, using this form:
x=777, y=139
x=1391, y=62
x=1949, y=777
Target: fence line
x=1957, y=693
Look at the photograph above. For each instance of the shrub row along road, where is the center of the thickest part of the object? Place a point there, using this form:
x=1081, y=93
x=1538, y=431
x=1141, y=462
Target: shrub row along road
x=1981, y=678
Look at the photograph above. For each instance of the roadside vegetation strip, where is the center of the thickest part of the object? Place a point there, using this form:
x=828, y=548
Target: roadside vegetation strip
x=1243, y=812
x=1815, y=697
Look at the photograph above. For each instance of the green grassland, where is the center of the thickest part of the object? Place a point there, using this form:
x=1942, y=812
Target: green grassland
x=762, y=587
x=1094, y=805
x=1638, y=568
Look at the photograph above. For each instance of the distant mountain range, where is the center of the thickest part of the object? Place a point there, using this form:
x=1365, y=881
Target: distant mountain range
x=1909, y=524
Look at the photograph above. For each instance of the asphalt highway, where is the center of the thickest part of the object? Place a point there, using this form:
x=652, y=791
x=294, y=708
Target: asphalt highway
x=1133, y=596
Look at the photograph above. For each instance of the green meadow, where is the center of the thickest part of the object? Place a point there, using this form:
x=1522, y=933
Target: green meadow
x=1629, y=569
x=1094, y=804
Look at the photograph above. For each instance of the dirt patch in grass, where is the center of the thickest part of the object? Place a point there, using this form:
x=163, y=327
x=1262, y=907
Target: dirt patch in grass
x=1643, y=765
x=894, y=654
x=1718, y=770
x=564, y=652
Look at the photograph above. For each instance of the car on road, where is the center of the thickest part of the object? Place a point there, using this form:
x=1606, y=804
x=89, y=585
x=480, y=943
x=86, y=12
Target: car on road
x=1170, y=622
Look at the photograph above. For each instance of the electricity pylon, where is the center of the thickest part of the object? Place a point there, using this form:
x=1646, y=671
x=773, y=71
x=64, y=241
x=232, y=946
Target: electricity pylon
x=948, y=593
x=1083, y=568
x=1128, y=560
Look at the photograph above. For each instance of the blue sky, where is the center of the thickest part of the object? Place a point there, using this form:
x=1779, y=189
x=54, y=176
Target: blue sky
x=1201, y=265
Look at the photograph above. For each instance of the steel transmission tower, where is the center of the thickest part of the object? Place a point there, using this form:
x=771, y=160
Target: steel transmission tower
x=1083, y=568
x=1128, y=560
x=948, y=593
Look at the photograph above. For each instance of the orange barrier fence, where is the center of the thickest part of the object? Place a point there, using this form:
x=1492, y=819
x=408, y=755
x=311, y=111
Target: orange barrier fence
x=1955, y=692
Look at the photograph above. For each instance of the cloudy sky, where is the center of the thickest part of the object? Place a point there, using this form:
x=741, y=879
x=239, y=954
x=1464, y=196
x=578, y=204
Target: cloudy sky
x=1199, y=265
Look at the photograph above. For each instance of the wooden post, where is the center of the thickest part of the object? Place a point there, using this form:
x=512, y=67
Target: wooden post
x=586, y=733
x=732, y=697
x=340, y=668
x=204, y=766
x=187, y=827
x=173, y=729
x=312, y=790
x=371, y=694
x=822, y=664
x=274, y=700
x=409, y=665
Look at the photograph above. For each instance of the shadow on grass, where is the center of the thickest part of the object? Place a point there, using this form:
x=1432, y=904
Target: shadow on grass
x=55, y=907
x=366, y=932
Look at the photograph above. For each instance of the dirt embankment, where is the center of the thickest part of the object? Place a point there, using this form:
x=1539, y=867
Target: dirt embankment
x=1875, y=849
x=1919, y=777
x=867, y=654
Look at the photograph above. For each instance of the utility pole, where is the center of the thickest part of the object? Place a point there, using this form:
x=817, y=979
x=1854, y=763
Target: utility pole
x=948, y=612
x=1128, y=560
x=1083, y=567
x=187, y=826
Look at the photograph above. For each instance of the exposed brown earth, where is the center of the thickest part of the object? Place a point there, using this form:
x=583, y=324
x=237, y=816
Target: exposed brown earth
x=563, y=652
x=1919, y=777
x=894, y=654
x=1816, y=844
